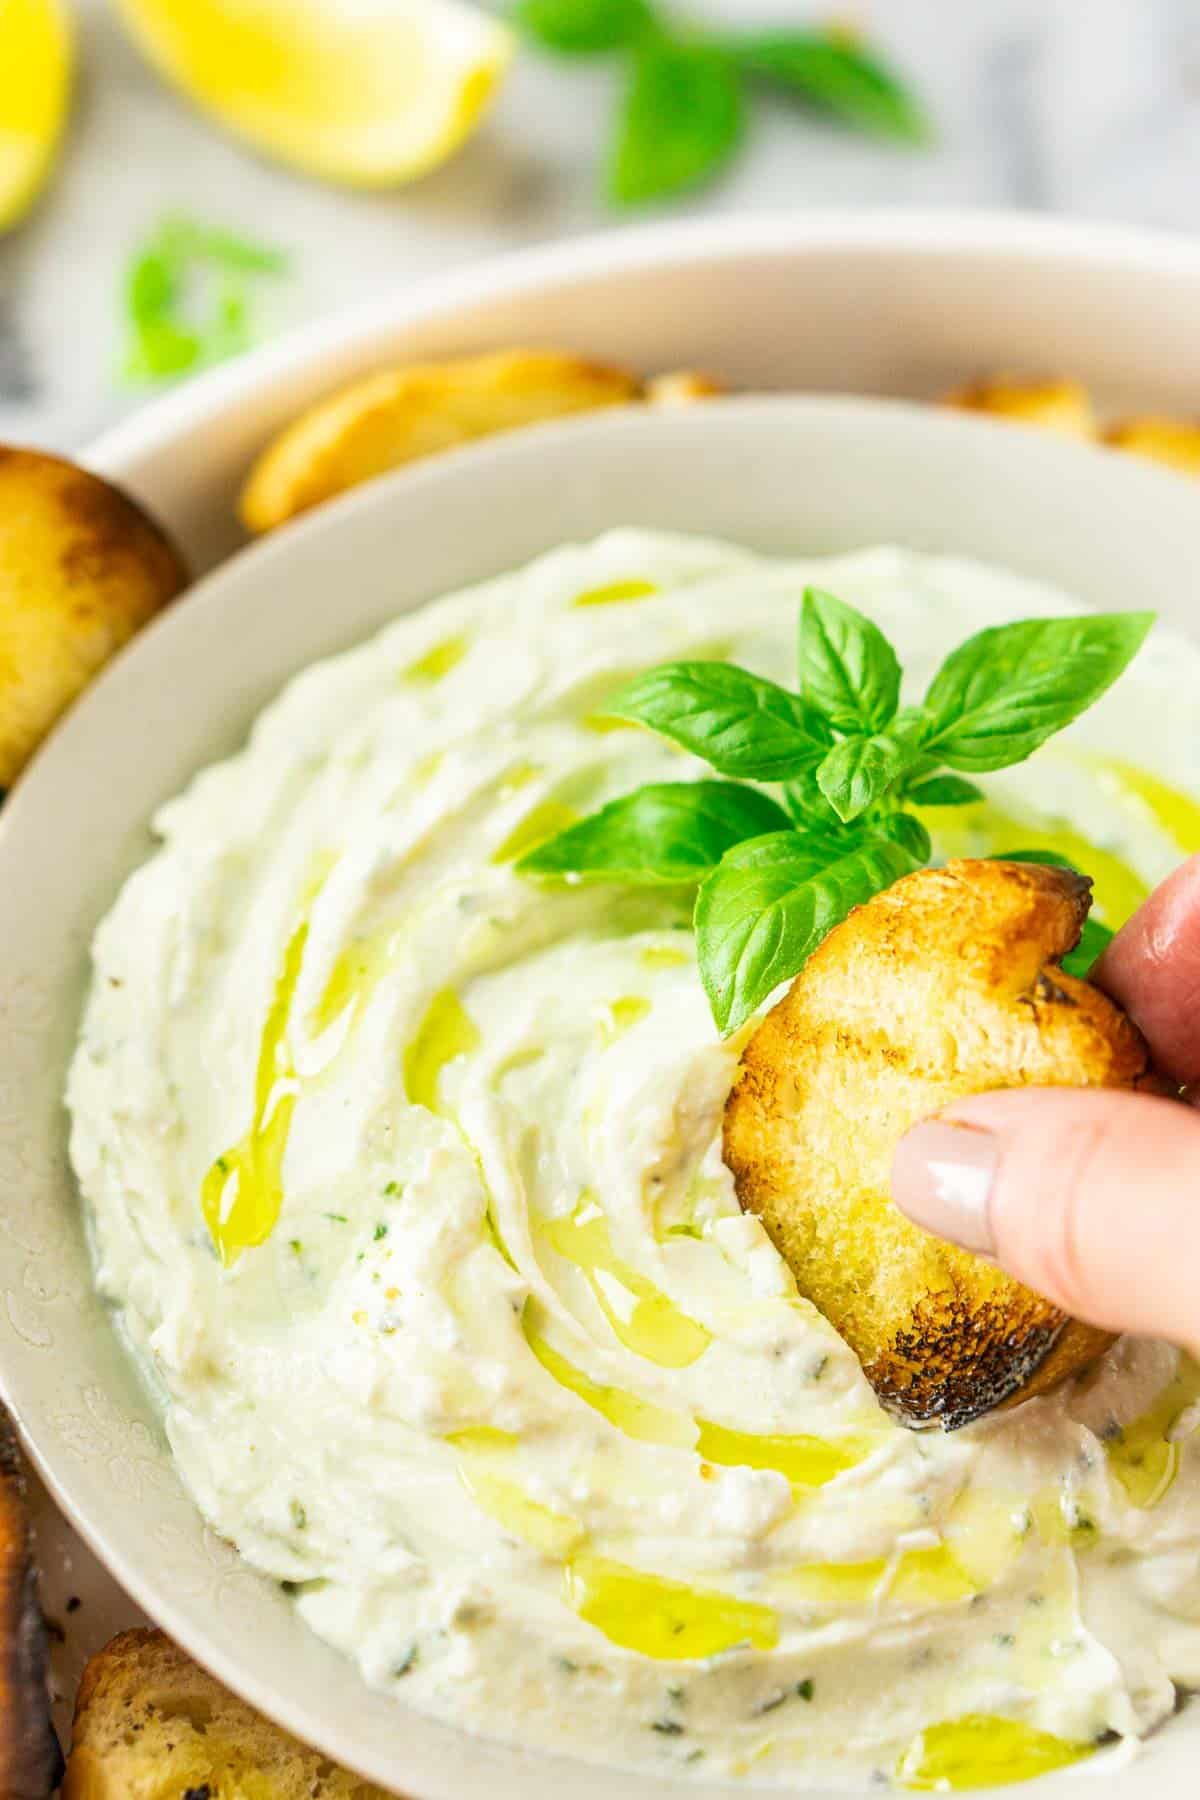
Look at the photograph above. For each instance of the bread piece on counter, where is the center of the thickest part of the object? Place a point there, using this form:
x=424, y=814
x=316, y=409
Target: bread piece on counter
x=30, y=1761
x=82, y=568
x=150, y=1724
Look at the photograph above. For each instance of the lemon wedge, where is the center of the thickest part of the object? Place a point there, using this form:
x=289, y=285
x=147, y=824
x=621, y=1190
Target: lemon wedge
x=349, y=90
x=35, y=88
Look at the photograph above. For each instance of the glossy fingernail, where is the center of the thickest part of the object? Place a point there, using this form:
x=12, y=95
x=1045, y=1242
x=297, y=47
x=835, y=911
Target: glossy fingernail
x=942, y=1177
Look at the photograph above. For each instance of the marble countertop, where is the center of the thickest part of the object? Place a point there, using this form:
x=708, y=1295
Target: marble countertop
x=1088, y=107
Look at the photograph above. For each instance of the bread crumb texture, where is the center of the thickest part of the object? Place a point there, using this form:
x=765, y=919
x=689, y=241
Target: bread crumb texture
x=150, y=1724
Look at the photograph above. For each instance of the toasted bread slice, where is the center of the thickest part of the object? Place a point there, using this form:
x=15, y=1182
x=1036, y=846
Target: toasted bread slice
x=945, y=985
x=1175, y=442
x=81, y=569
x=683, y=387
x=150, y=1724
x=398, y=415
x=1053, y=405
x=30, y=1762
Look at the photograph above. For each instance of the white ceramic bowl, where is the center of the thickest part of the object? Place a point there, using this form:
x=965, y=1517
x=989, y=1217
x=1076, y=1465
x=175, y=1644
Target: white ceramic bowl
x=898, y=303
x=781, y=474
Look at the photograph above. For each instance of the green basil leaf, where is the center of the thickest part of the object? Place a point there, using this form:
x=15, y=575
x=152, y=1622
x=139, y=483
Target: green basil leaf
x=1094, y=940
x=665, y=832
x=802, y=797
x=943, y=790
x=151, y=288
x=860, y=770
x=584, y=27
x=681, y=120
x=1050, y=858
x=1006, y=690
x=849, y=673
x=833, y=73
x=186, y=240
x=906, y=831
x=739, y=723
x=762, y=913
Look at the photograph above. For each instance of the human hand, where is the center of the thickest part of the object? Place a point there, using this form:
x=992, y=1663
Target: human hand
x=1089, y=1196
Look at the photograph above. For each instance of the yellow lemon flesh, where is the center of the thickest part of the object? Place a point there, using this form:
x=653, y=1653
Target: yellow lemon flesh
x=35, y=89
x=352, y=92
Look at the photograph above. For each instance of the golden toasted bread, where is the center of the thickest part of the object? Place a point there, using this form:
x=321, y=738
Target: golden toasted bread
x=81, y=568
x=1054, y=405
x=150, y=1724
x=398, y=415
x=945, y=985
x=1175, y=442
x=683, y=387
x=30, y=1763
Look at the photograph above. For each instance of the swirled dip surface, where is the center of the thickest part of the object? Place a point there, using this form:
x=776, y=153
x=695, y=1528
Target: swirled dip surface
x=404, y=1176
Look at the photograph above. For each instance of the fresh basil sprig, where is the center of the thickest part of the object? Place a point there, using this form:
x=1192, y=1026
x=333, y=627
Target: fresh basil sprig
x=684, y=100
x=776, y=873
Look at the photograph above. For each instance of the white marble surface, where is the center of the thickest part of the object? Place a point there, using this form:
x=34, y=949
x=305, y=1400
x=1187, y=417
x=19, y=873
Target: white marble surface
x=1082, y=106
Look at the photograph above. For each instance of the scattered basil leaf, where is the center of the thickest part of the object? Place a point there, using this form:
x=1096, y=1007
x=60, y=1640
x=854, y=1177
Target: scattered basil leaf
x=740, y=724
x=681, y=120
x=849, y=672
x=665, y=832
x=830, y=71
x=943, y=790
x=186, y=295
x=584, y=27
x=1007, y=689
x=860, y=770
x=761, y=914
x=182, y=239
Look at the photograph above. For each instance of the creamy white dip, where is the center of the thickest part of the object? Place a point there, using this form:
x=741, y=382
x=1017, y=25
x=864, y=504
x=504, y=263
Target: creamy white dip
x=527, y=1411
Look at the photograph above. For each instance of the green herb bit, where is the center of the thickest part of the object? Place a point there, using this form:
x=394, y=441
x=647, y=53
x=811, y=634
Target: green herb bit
x=774, y=876
x=187, y=298
x=832, y=72
x=299, y=1516
x=667, y=1727
x=584, y=27
x=337, y=1218
x=806, y=1688
x=407, y=1663
x=381, y=1231
x=681, y=119
x=683, y=110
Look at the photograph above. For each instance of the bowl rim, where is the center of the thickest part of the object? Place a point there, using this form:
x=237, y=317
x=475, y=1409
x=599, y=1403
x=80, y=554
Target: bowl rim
x=1046, y=452
x=1033, y=237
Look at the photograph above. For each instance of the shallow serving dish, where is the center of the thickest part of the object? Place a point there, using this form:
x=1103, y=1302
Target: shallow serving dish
x=783, y=475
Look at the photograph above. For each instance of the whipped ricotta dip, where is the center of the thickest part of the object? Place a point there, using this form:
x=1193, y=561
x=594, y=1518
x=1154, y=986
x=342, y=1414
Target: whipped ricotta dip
x=404, y=1180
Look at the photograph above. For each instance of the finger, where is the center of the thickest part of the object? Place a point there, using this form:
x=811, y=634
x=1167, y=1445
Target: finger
x=1090, y=1197
x=1152, y=969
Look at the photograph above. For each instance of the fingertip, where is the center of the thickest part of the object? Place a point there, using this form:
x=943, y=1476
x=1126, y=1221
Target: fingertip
x=1152, y=970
